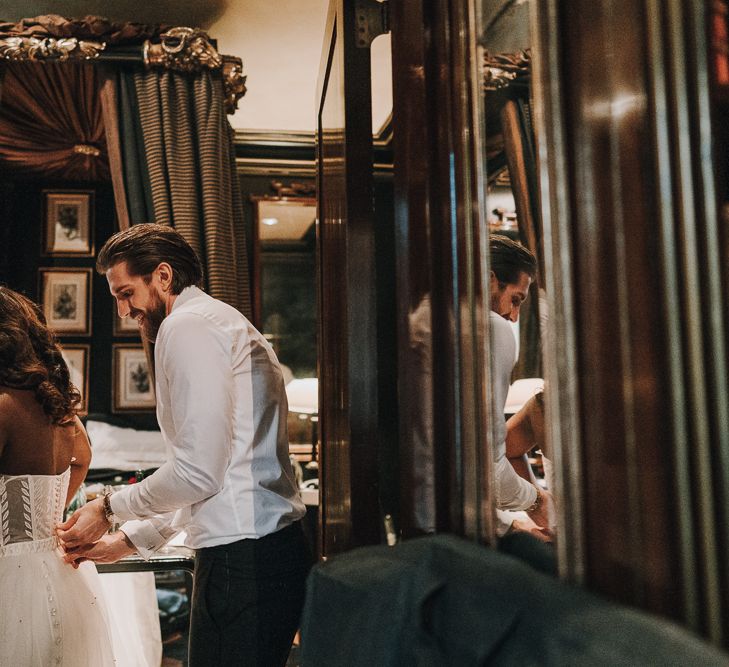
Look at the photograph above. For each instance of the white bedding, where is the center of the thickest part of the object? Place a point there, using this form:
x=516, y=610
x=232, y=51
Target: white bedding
x=124, y=448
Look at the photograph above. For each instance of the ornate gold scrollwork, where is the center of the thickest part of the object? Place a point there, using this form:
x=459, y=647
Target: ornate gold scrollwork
x=48, y=48
x=502, y=69
x=234, y=82
x=86, y=149
x=183, y=50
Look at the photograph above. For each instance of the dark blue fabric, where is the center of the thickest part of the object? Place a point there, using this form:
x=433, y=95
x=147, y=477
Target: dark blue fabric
x=443, y=601
x=134, y=158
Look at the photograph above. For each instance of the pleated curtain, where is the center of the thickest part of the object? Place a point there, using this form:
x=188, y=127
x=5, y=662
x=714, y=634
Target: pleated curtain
x=187, y=153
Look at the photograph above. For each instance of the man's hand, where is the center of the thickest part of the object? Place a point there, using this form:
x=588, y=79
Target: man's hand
x=544, y=515
x=109, y=549
x=86, y=525
x=528, y=526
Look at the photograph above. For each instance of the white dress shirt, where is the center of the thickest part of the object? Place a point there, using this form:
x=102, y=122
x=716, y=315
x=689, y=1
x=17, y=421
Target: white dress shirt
x=222, y=410
x=512, y=491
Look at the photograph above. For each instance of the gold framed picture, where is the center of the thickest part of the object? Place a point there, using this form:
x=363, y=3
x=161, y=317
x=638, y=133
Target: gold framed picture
x=68, y=223
x=76, y=356
x=66, y=299
x=132, y=389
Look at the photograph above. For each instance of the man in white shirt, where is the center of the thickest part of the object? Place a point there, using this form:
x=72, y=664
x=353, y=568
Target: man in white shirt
x=228, y=482
x=513, y=268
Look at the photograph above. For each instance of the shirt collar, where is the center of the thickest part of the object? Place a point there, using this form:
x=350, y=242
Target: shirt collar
x=186, y=295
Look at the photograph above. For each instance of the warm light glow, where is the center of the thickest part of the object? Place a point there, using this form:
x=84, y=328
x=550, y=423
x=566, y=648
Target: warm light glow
x=618, y=106
x=520, y=392
x=270, y=221
x=303, y=395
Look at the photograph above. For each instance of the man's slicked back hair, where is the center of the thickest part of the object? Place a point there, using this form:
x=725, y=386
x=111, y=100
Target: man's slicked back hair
x=143, y=247
x=510, y=258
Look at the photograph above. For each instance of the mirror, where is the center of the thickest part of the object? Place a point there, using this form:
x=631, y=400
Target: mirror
x=284, y=304
x=512, y=202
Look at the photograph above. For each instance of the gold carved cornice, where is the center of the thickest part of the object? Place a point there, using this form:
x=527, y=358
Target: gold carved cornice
x=182, y=50
x=48, y=48
x=189, y=50
x=504, y=69
x=234, y=82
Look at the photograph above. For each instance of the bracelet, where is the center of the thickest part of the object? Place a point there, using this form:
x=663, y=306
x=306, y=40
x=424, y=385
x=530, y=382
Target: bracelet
x=108, y=512
x=536, y=504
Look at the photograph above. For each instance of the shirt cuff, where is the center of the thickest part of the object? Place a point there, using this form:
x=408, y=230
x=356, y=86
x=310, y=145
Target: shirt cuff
x=119, y=502
x=144, y=536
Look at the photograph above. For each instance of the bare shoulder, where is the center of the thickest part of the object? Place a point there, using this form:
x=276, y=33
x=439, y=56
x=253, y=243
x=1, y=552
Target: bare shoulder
x=7, y=409
x=8, y=405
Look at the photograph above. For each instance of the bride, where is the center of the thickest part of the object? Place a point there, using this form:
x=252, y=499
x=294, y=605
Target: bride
x=51, y=614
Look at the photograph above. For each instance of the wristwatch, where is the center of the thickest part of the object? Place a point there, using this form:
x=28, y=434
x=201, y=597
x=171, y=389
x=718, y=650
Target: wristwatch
x=108, y=512
x=536, y=504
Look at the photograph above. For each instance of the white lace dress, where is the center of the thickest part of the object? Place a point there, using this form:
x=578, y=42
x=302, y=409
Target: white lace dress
x=50, y=614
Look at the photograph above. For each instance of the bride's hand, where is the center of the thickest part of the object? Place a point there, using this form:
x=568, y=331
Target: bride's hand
x=109, y=549
x=86, y=525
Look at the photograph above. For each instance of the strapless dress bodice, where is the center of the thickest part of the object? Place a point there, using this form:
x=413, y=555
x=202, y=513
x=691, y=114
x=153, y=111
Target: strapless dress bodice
x=30, y=508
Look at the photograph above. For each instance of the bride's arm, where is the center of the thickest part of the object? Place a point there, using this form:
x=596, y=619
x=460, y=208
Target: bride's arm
x=80, y=459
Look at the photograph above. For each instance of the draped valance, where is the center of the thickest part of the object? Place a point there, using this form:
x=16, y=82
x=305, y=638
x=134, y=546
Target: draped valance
x=51, y=122
x=143, y=106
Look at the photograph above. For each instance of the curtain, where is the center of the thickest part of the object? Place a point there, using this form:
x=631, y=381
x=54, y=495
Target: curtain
x=519, y=150
x=51, y=121
x=190, y=163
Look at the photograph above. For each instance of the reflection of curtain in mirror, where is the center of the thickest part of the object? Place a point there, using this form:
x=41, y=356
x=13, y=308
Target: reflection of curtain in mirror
x=519, y=149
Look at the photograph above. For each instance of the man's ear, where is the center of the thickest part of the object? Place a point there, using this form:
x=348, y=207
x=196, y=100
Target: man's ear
x=164, y=275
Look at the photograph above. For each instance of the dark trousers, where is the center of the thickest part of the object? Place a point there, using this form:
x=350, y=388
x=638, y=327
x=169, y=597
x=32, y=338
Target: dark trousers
x=247, y=600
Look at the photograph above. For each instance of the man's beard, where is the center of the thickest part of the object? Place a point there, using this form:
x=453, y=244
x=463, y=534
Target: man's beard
x=153, y=318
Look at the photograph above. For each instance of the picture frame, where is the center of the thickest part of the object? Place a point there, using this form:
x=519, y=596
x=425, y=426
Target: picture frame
x=76, y=356
x=132, y=386
x=125, y=326
x=66, y=299
x=68, y=228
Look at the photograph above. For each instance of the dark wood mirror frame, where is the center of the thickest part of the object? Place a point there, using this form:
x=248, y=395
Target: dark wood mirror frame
x=256, y=249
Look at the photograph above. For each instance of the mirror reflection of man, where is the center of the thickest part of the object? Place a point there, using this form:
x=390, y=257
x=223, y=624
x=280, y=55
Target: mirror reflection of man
x=513, y=269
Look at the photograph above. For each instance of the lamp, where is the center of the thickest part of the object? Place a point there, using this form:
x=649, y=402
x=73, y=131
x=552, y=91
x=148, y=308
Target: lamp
x=303, y=397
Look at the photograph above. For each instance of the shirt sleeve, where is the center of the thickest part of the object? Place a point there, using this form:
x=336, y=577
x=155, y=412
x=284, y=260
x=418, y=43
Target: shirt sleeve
x=149, y=535
x=512, y=491
x=194, y=362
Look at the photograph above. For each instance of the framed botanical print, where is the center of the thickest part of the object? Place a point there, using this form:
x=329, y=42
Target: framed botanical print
x=125, y=326
x=66, y=299
x=68, y=223
x=76, y=357
x=133, y=389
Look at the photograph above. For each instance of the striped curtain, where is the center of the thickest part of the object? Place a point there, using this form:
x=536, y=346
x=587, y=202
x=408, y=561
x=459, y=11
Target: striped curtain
x=188, y=151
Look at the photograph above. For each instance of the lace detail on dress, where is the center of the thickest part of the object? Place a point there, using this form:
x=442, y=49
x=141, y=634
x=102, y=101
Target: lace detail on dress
x=31, y=547
x=30, y=507
x=4, y=511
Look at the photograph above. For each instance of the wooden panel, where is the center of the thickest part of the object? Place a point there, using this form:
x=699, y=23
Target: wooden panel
x=348, y=399
x=625, y=146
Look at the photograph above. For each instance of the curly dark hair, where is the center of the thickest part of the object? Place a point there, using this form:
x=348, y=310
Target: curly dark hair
x=30, y=357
